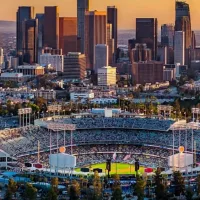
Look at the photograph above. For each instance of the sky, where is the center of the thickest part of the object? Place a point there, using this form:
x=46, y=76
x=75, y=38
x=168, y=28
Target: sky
x=128, y=10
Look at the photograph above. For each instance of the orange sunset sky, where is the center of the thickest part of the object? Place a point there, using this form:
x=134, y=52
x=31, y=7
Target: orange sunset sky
x=128, y=9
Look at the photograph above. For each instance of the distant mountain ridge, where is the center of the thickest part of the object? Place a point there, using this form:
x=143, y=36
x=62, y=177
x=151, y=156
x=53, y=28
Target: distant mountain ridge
x=7, y=26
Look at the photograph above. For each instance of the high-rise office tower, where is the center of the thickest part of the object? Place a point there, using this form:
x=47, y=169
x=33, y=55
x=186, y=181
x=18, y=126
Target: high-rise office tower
x=110, y=43
x=167, y=35
x=95, y=33
x=179, y=47
x=147, y=72
x=30, y=41
x=112, y=19
x=40, y=18
x=23, y=13
x=162, y=54
x=140, y=53
x=147, y=32
x=68, y=34
x=51, y=27
x=82, y=7
x=74, y=66
x=101, y=56
x=193, y=40
x=1, y=58
x=183, y=21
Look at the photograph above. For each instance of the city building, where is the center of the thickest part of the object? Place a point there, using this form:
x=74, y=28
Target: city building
x=179, y=47
x=14, y=62
x=168, y=75
x=183, y=21
x=1, y=58
x=74, y=66
x=112, y=19
x=171, y=67
x=101, y=56
x=106, y=76
x=23, y=13
x=68, y=34
x=31, y=70
x=51, y=27
x=140, y=53
x=82, y=7
x=195, y=54
x=30, y=41
x=52, y=51
x=46, y=94
x=195, y=65
x=82, y=96
x=147, y=72
x=40, y=18
x=16, y=77
x=95, y=33
x=162, y=54
x=167, y=35
x=147, y=32
x=56, y=61
x=102, y=101
x=110, y=43
x=193, y=45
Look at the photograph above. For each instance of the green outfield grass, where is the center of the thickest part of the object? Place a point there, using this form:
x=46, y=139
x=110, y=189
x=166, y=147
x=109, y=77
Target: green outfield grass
x=116, y=168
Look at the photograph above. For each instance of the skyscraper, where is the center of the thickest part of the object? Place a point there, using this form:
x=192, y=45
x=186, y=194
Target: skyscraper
x=183, y=21
x=74, y=66
x=30, y=41
x=40, y=18
x=140, y=53
x=110, y=43
x=23, y=13
x=193, y=40
x=112, y=19
x=51, y=27
x=147, y=72
x=147, y=32
x=179, y=47
x=167, y=35
x=101, y=56
x=82, y=7
x=95, y=33
x=68, y=34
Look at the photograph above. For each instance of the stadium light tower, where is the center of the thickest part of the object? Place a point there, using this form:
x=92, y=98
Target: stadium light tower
x=184, y=127
x=24, y=113
x=54, y=108
x=164, y=109
x=56, y=127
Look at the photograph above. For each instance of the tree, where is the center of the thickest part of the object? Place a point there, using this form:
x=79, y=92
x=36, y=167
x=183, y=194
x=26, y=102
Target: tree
x=8, y=195
x=74, y=190
x=34, y=107
x=11, y=190
x=189, y=193
x=30, y=192
x=139, y=187
x=160, y=187
x=41, y=103
x=12, y=185
x=178, y=182
x=54, y=184
x=51, y=195
x=117, y=192
x=97, y=186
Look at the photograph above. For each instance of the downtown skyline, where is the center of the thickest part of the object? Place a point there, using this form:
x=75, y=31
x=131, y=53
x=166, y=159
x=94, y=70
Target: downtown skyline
x=128, y=11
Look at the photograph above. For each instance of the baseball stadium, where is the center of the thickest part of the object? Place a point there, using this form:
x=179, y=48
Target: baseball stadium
x=93, y=139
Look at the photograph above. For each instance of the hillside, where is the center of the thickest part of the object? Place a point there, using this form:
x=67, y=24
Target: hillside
x=7, y=26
